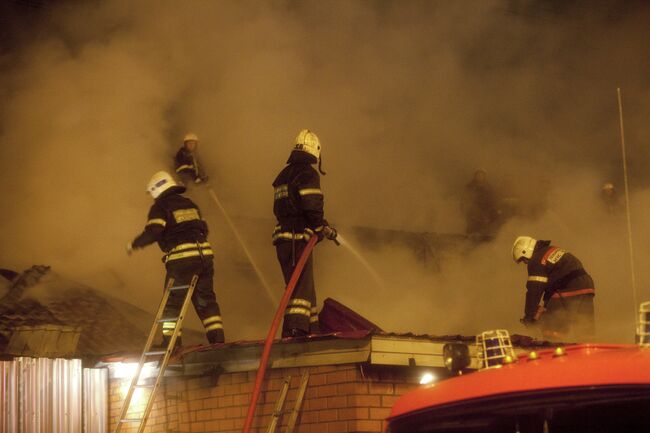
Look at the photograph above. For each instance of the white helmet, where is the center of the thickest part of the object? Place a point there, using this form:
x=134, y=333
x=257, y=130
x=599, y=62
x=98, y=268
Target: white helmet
x=308, y=142
x=523, y=248
x=190, y=137
x=159, y=183
x=608, y=186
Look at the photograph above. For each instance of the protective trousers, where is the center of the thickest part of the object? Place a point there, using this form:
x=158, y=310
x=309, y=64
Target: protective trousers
x=301, y=315
x=570, y=316
x=203, y=298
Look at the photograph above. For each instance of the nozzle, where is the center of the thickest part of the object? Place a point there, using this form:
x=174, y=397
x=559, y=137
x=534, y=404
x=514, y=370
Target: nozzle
x=331, y=234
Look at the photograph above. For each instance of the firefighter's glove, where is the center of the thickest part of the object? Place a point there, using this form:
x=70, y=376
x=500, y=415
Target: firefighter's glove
x=331, y=234
x=129, y=249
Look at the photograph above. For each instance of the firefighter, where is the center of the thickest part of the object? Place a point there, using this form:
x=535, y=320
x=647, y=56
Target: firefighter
x=480, y=205
x=558, y=278
x=186, y=162
x=610, y=198
x=175, y=223
x=298, y=207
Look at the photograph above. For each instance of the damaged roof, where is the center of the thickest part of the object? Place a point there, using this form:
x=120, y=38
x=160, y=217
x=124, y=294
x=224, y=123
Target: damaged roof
x=38, y=298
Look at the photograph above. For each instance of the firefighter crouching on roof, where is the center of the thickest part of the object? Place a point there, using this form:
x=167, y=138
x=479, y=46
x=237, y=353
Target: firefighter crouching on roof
x=298, y=207
x=175, y=223
x=186, y=162
x=559, y=278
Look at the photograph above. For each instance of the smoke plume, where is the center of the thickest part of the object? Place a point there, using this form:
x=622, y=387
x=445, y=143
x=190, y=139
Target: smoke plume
x=408, y=99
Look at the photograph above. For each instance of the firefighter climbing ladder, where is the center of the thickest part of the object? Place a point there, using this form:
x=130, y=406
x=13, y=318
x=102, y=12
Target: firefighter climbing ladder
x=148, y=353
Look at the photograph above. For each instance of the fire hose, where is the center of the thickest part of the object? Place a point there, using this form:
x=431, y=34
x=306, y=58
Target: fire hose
x=261, y=371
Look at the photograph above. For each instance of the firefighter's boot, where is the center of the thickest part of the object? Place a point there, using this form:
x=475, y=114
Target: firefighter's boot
x=216, y=336
x=294, y=333
x=166, y=339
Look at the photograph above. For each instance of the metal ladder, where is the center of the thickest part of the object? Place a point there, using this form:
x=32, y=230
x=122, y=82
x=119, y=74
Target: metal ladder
x=148, y=353
x=279, y=405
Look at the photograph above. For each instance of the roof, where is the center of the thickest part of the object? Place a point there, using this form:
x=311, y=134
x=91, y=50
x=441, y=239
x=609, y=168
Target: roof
x=40, y=298
x=581, y=366
x=348, y=338
x=348, y=347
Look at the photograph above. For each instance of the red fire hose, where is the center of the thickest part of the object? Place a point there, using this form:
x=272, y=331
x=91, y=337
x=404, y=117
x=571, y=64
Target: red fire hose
x=261, y=371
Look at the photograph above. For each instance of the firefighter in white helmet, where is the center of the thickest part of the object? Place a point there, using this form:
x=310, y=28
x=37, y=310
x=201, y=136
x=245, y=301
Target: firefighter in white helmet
x=298, y=207
x=186, y=162
x=175, y=223
x=610, y=198
x=557, y=278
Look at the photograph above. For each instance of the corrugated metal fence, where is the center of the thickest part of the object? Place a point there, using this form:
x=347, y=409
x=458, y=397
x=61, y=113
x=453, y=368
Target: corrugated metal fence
x=41, y=395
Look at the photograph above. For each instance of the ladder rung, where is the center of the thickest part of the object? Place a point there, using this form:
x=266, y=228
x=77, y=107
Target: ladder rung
x=131, y=420
x=168, y=319
x=178, y=288
x=175, y=367
x=144, y=386
x=155, y=353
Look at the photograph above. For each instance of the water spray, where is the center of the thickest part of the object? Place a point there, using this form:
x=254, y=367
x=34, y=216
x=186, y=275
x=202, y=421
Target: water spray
x=373, y=273
x=627, y=199
x=271, y=294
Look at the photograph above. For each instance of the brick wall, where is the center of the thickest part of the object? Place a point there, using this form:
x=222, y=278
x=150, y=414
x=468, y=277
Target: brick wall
x=339, y=399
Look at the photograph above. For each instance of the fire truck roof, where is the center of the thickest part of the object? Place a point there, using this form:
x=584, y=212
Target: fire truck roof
x=569, y=367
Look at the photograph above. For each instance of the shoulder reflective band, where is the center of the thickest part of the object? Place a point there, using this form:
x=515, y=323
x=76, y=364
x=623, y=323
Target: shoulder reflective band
x=310, y=191
x=158, y=221
x=184, y=167
x=538, y=279
x=281, y=191
x=184, y=215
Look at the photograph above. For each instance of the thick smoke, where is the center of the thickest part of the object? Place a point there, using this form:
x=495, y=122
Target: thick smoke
x=408, y=98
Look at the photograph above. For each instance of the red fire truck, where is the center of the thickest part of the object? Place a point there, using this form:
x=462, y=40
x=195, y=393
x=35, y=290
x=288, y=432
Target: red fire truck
x=572, y=389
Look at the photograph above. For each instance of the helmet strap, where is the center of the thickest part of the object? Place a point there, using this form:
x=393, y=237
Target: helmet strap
x=320, y=162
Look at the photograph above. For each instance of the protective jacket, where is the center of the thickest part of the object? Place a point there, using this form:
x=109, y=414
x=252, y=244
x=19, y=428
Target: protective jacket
x=175, y=223
x=298, y=200
x=186, y=163
x=298, y=207
x=554, y=273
